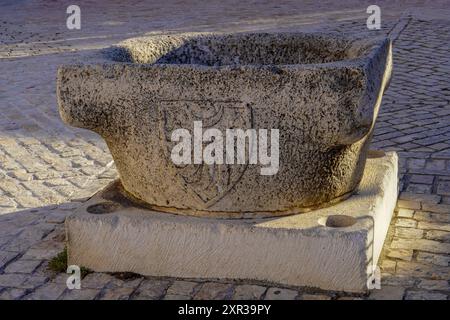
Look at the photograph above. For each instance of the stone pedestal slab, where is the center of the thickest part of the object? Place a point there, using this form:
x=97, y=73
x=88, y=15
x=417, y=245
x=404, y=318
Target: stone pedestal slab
x=331, y=248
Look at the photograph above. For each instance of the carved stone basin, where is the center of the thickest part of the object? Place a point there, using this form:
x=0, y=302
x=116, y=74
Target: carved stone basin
x=321, y=91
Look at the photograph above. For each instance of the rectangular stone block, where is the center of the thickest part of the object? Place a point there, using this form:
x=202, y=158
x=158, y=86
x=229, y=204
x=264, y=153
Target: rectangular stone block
x=332, y=248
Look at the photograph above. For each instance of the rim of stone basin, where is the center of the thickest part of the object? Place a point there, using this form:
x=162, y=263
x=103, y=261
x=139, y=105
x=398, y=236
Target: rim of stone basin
x=245, y=49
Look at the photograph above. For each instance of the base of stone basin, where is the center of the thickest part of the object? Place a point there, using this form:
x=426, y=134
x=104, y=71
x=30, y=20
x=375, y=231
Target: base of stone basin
x=332, y=248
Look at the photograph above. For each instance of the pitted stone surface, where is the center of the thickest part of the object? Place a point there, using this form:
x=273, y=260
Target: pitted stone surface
x=321, y=91
x=239, y=49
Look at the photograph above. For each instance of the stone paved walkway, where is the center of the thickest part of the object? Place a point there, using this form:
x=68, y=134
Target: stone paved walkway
x=47, y=168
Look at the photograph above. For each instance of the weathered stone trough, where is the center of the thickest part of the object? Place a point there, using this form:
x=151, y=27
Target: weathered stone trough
x=321, y=91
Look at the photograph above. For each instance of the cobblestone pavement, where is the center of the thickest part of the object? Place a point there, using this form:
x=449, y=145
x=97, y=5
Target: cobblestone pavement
x=47, y=168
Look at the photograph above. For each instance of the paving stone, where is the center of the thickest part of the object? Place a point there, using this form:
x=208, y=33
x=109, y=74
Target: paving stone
x=407, y=223
x=441, y=285
x=434, y=164
x=182, y=288
x=315, y=297
x=438, y=208
x=403, y=254
x=44, y=250
x=117, y=293
x=21, y=175
x=388, y=266
x=387, y=293
x=28, y=237
x=27, y=200
x=23, y=266
x=12, y=280
x=60, y=278
x=438, y=235
x=422, y=179
x=132, y=282
x=421, y=244
x=410, y=233
x=420, y=270
x=6, y=257
x=405, y=213
x=408, y=204
x=214, y=291
x=43, y=270
x=444, y=154
x=176, y=297
x=423, y=198
x=431, y=217
x=80, y=294
x=416, y=163
x=419, y=188
x=434, y=226
x=432, y=258
x=12, y=294
x=425, y=295
x=6, y=202
x=58, y=234
x=96, y=280
x=398, y=280
x=5, y=239
x=248, y=292
x=349, y=298
x=443, y=188
x=49, y=291
x=280, y=294
x=151, y=289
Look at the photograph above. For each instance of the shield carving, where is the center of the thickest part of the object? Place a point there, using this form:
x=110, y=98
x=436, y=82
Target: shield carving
x=207, y=183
